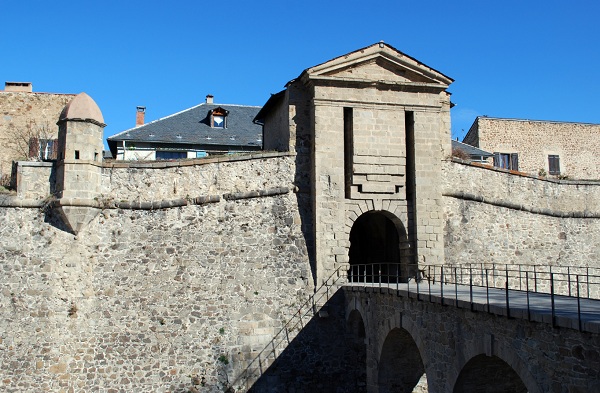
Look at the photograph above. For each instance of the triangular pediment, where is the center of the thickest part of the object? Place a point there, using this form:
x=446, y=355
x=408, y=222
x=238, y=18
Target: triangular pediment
x=380, y=63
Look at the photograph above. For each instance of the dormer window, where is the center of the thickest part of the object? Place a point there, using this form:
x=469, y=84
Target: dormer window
x=218, y=118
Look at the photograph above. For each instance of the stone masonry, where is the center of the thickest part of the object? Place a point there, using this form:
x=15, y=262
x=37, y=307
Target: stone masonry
x=372, y=119
x=148, y=299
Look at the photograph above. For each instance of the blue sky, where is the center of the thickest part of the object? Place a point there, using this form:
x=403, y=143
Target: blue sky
x=518, y=59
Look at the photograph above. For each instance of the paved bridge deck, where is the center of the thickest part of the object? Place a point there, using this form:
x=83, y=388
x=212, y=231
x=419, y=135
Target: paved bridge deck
x=570, y=312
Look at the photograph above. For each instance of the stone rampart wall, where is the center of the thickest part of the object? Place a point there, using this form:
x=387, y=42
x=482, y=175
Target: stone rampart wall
x=191, y=267
x=164, y=180
x=35, y=180
x=496, y=217
x=153, y=299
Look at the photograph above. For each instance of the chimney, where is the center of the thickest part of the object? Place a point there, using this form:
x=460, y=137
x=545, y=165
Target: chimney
x=18, y=86
x=139, y=116
x=209, y=98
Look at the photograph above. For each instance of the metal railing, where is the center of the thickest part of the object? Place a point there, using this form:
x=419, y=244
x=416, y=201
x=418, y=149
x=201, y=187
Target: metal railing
x=305, y=312
x=514, y=282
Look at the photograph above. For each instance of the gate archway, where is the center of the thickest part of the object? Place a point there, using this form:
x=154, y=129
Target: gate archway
x=379, y=249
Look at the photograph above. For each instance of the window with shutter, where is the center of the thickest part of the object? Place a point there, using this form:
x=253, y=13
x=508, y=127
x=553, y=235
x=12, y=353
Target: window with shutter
x=48, y=149
x=507, y=161
x=553, y=164
x=514, y=162
x=34, y=148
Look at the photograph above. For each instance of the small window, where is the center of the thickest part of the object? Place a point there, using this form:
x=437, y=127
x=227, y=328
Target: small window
x=554, y=164
x=218, y=118
x=218, y=121
x=48, y=149
x=170, y=155
x=77, y=154
x=508, y=161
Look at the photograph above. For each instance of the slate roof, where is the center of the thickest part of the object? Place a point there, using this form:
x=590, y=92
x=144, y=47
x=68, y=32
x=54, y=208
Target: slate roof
x=470, y=150
x=192, y=126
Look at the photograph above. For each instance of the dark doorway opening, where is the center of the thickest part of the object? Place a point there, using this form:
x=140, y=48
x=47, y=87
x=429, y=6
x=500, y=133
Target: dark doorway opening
x=379, y=249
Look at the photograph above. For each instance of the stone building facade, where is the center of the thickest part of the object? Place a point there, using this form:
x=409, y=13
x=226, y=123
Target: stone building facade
x=556, y=149
x=24, y=115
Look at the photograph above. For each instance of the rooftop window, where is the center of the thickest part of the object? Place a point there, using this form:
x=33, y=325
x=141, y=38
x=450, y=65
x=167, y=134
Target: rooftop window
x=218, y=118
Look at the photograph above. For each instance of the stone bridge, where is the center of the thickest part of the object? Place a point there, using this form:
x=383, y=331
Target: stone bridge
x=419, y=341
x=482, y=330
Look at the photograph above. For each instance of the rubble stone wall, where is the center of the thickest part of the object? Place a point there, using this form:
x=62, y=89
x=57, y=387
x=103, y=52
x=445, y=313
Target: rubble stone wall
x=153, y=299
x=492, y=216
x=154, y=295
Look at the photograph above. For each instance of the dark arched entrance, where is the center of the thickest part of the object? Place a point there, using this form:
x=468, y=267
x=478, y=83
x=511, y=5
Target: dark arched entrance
x=400, y=366
x=488, y=374
x=379, y=248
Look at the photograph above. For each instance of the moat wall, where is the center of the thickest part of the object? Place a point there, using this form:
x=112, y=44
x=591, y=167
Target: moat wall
x=147, y=300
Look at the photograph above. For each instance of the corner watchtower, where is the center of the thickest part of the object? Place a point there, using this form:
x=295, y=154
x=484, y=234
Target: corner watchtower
x=79, y=161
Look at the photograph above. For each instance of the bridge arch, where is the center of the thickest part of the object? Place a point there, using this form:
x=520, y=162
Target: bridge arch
x=394, y=349
x=356, y=344
x=379, y=245
x=503, y=371
x=488, y=374
x=401, y=367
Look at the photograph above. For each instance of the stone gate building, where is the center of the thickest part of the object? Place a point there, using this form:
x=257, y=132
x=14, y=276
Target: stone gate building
x=362, y=126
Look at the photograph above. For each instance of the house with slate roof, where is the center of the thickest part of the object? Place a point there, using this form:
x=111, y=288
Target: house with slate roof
x=475, y=154
x=200, y=131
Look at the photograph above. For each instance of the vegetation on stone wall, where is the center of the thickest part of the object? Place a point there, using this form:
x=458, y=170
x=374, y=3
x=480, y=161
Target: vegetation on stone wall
x=460, y=154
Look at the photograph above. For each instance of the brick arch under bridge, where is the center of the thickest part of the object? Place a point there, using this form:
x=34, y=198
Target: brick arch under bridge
x=461, y=350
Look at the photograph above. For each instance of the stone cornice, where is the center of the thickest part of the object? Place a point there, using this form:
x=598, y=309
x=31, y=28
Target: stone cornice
x=334, y=81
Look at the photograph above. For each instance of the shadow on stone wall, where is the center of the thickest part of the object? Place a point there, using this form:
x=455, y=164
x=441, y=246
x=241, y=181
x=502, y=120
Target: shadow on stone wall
x=303, y=178
x=325, y=356
x=53, y=217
